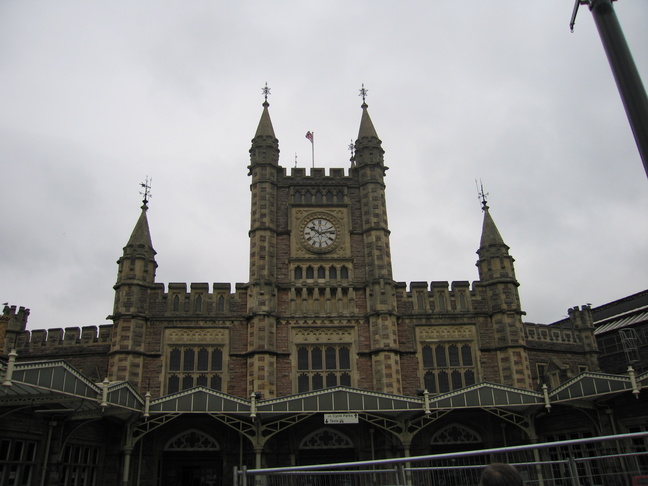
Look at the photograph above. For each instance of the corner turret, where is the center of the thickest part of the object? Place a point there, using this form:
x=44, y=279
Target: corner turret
x=499, y=289
x=368, y=147
x=265, y=146
x=135, y=283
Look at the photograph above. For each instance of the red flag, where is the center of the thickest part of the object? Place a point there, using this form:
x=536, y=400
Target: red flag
x=309, y=136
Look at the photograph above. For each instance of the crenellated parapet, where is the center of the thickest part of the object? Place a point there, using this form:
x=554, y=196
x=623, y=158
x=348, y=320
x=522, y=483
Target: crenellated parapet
x=578, y=328
x=198, y=299
x=68, y=341
x=437, y=297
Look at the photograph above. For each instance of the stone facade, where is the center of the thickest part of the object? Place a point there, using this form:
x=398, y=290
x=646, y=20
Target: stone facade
x=320, y=309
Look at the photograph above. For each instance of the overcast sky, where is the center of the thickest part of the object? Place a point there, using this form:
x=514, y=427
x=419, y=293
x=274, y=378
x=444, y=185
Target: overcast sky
x=95, y=96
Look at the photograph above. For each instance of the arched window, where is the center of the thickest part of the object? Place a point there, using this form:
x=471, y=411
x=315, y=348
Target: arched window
x=321, y=272
x=340, y=196
x=203, y=361
x=345, y=359
x=333, y=273
x=316, y=358
x=221, y=303
x=318, y=197
x=466, y=355
x=302, y=359
x=187, y=382
x=216, y=382
x=331, y=358
x=444, y=385
x=173, y=384
x=326, y=438
x=176, y=303
x=302, y=383
x=441, y=356
x=174, y=359
x=310, y=273
x=217, y=360
x=192, y=440
x=298, y=197
x=430, y=382
x=329, y=197
x=318, y=382
x=188, y=364
x=455, y=433
x=298, y=273
x=428, y=360
x=462, y=301
x=331, y=380
x=344, y=273
x=453, y=354
x=308, y=197
x=198, y=304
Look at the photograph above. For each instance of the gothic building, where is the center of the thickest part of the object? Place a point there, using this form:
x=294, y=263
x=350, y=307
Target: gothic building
x=320, y=357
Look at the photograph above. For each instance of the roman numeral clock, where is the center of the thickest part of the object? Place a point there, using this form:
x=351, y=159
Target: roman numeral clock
x=320, y=232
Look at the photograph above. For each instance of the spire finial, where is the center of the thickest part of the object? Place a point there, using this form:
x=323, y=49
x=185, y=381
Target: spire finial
x=363, y=93
x=481, y=194
x=266, y=92
x=146, y=185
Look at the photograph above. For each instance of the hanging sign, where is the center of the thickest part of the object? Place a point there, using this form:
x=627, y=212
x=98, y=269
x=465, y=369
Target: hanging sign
x=340, y=418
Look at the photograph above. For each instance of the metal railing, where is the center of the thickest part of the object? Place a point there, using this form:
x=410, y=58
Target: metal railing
x=613, y=460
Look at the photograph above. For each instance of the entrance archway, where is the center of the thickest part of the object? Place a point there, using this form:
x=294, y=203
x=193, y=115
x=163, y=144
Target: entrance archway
x=191, y=458
x=326, y=446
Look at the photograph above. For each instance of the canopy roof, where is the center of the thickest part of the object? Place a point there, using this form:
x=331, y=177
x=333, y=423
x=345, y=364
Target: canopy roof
x=56, y=387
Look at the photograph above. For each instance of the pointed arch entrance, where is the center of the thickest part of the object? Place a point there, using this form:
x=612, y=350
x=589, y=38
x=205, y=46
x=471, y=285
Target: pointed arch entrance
x=191, y=458
x=326, y=446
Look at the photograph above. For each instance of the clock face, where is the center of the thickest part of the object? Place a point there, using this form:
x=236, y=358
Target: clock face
x=320, y=234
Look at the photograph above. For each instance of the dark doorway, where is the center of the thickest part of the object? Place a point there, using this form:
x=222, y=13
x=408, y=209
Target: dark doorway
x=191, y=468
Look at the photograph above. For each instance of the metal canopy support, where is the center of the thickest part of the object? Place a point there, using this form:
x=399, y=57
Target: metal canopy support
x=625, y=72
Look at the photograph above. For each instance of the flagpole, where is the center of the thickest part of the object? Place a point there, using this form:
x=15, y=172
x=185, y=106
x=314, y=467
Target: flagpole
x=311, y=138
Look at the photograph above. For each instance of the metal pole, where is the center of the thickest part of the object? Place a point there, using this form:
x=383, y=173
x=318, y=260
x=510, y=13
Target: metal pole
x=625, y=73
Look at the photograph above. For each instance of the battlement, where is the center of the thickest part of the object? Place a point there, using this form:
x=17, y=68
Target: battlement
x=552, y=333
x=70, y=336
x=16, y=319
x=318, y=173
x=438, y=296
x=198, y=298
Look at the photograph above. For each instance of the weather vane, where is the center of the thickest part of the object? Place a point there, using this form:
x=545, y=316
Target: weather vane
x=363, y=93
x=146, y=185
x=266, y=91
x=481, y=195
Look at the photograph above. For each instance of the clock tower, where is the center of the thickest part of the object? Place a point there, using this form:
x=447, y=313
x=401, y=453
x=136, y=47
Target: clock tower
x=321, y=299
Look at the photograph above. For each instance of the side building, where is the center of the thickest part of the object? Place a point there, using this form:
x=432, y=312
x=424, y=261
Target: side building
x=191, y=380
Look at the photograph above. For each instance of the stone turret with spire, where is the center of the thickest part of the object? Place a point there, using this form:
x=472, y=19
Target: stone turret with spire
x=379, y=284
x=262, y=286
x=500, y=289
x=135, y=281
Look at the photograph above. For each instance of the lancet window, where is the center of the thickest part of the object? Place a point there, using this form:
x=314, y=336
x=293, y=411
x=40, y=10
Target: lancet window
x=190, y=366
x=323, y=367
x=447, y=367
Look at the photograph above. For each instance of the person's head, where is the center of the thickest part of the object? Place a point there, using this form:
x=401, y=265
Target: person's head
x=500, y=475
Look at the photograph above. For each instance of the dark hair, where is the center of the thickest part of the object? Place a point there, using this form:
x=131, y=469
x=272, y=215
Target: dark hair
x=500, y=475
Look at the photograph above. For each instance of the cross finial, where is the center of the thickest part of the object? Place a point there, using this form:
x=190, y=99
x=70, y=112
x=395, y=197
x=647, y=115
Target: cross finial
x=363, y=93
x=266, y=92
x=146, y=185
x=481, y=194
x=351, y=148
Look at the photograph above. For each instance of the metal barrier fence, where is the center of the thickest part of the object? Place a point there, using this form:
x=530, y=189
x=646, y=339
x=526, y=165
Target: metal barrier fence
x=615, y=460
